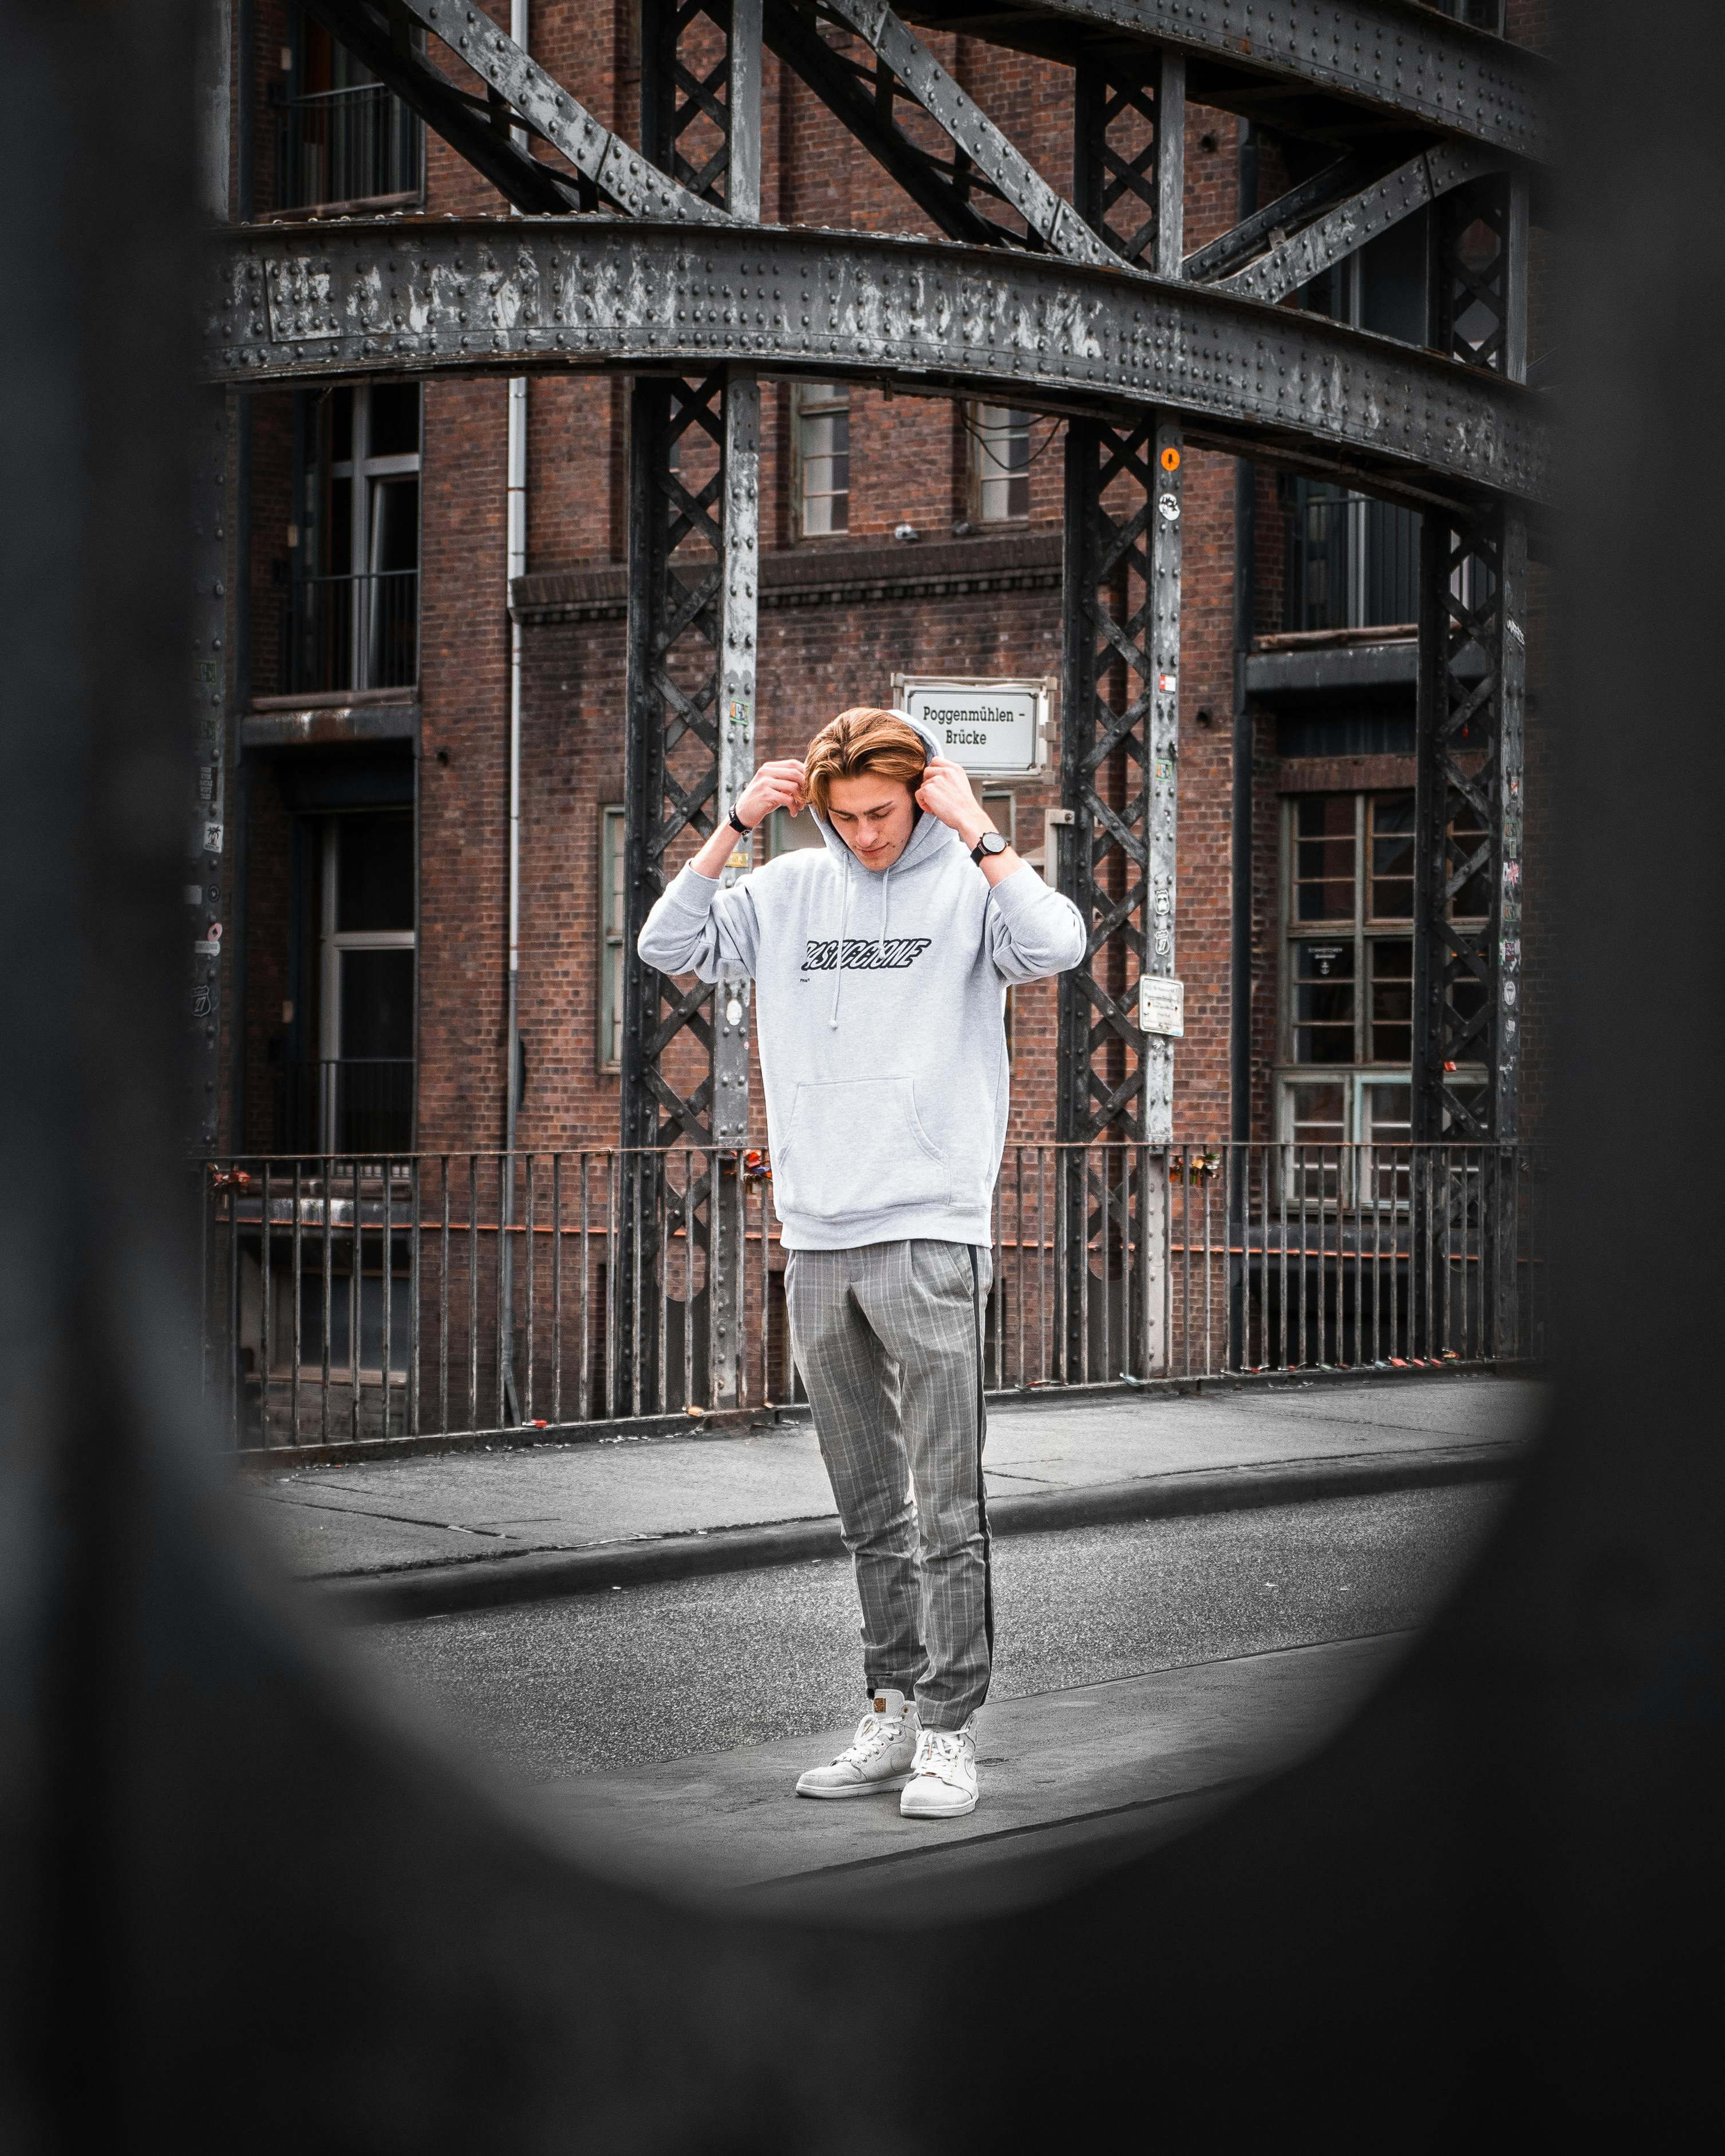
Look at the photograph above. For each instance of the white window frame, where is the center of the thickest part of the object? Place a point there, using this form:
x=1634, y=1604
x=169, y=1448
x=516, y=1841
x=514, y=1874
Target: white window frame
x=810, y=400
x=984, y=423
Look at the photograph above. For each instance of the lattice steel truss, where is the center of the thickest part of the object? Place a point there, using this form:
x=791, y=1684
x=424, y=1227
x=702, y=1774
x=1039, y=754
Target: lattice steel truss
x=1472, y=672
x=694, y=536
x=1468, y=818
x=1120, y=686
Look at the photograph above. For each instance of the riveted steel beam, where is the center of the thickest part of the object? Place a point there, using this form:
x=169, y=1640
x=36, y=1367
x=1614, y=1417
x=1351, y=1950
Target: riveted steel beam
x=1048, y=217
x=414, y=296
x=1346, y=227
x=1288, y=213
x=1390, y=58
x=620, y=174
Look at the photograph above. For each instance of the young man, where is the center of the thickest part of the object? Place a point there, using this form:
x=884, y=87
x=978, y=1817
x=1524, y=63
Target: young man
x=880, y=962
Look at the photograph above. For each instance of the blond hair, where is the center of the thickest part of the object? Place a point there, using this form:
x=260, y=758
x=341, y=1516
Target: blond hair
x=864, y=740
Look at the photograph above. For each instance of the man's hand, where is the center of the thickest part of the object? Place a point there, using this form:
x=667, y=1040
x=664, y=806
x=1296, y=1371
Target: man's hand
x=945, y=792
x=778, y=785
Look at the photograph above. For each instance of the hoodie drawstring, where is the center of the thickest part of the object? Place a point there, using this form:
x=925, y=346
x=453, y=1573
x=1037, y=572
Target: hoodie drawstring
x=839, y=951
x=879, y=940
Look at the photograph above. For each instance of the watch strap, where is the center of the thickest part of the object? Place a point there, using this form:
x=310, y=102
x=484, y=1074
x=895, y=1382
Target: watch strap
x=737, y=825
x=982, y=846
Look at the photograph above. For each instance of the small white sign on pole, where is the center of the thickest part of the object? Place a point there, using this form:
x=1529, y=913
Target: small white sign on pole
x=1162, y=1006
x=996, y=727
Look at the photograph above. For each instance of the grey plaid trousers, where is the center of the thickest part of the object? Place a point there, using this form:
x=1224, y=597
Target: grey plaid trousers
x=889, y=1340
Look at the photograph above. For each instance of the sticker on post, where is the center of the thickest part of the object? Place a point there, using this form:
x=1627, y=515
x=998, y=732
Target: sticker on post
x=1162, y=1007
x=1169, y=505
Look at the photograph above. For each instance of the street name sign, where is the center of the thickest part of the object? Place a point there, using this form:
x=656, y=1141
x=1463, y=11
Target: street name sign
x=996, y=727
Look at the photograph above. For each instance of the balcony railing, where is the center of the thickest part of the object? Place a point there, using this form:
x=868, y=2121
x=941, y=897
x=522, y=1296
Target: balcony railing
x=1351, y=564
x=481, y=1291
x=351, y=633
x=342, y=146
x=345, y=1104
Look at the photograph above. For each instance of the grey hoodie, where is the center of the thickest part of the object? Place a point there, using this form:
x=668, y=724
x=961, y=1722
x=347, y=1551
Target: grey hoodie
x=885, y=1075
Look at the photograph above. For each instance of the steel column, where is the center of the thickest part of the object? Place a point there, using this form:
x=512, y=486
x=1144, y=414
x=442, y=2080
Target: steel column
x=1120, y=713
x=1469, y=802
x=206, y=834
x=740, y=547
x=694, y=503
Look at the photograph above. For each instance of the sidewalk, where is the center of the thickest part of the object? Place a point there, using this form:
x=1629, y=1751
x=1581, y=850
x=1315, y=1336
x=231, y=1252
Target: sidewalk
x=1073, y=1782
x=414, y=1538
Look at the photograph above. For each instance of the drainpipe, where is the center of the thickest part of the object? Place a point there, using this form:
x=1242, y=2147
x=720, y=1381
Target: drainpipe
x=1239, y=926
x=516, y=550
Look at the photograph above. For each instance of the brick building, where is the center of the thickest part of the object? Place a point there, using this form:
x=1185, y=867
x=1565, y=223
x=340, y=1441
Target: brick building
x=367, y=961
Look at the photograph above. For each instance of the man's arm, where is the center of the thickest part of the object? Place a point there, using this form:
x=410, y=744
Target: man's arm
x=778, y=785
x=696, y=926
x=1033, y=932
x=945, y=792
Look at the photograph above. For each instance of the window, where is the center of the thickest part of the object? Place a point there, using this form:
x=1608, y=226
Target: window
x=342, y=138
x=1354, y=563
x=353, y=596
x=358, y=1093
x=1347, y=1005
x=821, y=418
x=611, y=855
x=1000, y=463
x=784, y=834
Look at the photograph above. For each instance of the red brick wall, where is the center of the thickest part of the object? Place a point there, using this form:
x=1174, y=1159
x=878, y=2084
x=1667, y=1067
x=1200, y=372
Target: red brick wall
x=464, y=801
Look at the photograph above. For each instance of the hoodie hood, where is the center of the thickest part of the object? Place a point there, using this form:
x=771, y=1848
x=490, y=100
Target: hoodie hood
x=928, y=839
x=919, y=842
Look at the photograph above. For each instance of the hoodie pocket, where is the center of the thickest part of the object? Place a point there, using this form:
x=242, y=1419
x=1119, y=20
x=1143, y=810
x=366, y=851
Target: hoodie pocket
x=858, y=1148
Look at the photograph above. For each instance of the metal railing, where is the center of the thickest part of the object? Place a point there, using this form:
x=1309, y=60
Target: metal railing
x=348, y=1299
x=360, y=144
x=350, y=632
x=1351, y=564
x=345, y=1104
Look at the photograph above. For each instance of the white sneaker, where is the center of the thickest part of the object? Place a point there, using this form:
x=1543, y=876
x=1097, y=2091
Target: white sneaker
x=943, y=1779
x=877, y=1758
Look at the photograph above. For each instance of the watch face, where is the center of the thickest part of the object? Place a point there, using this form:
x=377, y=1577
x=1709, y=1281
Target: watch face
x=991, y=842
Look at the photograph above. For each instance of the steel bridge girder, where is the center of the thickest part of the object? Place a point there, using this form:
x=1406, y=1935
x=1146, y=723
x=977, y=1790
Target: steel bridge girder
x=410, y=295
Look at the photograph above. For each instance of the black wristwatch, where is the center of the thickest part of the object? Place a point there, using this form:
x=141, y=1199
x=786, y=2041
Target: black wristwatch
x=737, y=825
x=990, y=842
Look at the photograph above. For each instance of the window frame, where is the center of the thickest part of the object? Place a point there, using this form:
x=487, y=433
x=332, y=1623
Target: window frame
x=332, y=944
x=978, y=430
x=1360, y=931
x=810, y=399
x=289, y=91
x=314, y=524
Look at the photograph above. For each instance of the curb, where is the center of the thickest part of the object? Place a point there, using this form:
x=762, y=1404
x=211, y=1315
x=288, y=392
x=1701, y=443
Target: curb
x=753, y=1422
x=542, y=1575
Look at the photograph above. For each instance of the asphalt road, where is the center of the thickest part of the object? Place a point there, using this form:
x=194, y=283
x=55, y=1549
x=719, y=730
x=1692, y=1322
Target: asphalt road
x=636, y=1675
